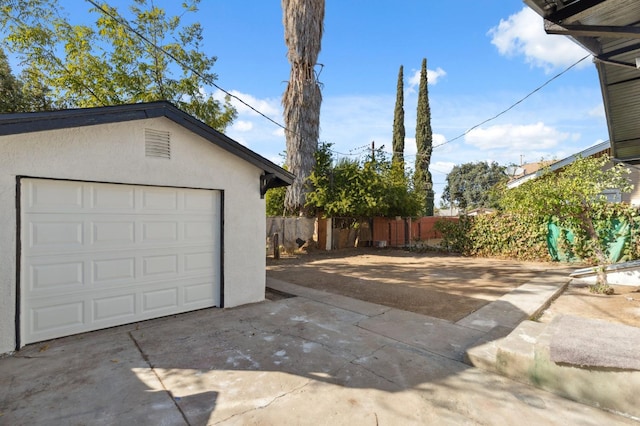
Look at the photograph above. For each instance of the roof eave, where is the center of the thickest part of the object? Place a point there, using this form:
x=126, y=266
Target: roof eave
x=55, y=120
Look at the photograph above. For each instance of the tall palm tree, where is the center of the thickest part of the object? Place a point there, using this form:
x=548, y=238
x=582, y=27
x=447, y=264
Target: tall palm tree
x=303, y=27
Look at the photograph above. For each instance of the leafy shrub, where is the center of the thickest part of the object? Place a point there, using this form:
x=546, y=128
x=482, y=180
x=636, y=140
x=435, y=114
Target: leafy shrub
x=524, y=237
x=496, y=235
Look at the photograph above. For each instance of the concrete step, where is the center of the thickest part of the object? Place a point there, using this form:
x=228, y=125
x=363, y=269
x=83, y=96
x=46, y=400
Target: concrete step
x=525, y=302
x=524, y=355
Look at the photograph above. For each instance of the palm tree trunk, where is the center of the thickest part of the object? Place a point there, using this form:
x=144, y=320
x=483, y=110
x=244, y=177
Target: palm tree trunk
x=303, y=27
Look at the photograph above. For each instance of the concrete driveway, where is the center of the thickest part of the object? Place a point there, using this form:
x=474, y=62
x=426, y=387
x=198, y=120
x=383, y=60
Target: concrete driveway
x=312, y=359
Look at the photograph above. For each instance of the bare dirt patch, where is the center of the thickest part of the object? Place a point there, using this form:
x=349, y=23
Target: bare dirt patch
x=434, y=284
x=444, y=286
x=622, y=306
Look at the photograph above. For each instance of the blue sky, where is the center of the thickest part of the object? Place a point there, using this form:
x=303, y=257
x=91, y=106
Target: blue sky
x=481, y=60
x=482, y=57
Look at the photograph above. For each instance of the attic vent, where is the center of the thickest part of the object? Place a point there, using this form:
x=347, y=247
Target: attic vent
x=157, y=143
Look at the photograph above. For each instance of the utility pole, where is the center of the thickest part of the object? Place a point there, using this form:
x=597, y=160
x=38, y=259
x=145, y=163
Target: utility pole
x=373, y=151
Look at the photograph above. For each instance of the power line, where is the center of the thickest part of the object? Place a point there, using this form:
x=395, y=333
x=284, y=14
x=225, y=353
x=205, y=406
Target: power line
x=514, y=104
x=122, y=21
x=501, y=112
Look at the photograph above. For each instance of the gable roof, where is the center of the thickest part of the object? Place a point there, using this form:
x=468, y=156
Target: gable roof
x=588, y=152
x=610, y=31
x=27, y=122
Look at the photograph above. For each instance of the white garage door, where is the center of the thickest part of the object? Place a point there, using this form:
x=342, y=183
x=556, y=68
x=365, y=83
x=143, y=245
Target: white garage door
x=95, y=255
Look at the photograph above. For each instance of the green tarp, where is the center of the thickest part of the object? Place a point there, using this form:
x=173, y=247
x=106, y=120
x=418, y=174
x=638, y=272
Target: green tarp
x=615, y=238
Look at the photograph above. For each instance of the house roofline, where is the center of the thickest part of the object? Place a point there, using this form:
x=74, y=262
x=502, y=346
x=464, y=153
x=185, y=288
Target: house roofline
x=28, y=122
x=588, y=152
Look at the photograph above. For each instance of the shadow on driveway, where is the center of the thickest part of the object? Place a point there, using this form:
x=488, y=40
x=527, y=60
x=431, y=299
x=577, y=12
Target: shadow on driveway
x=294, y=361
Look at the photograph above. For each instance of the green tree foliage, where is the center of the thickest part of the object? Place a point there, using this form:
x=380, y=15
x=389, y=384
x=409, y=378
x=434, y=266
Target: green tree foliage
x=571, y=197
x=352, y=188
x=501, y=234
x=113, y=62
x=24, y=93
x=469, y=185
x=398, y=121
x=424, y=141
x=274, y=200
x=10, y=87
x=36, y=96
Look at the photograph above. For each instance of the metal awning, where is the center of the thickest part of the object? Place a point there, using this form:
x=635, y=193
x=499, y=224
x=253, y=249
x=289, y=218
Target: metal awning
x=610, y=31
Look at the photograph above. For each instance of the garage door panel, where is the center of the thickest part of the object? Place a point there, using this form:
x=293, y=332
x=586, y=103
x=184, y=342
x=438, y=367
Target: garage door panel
x=156, y=199
x=195, y=201
x=110, y=270
x=160, y=265
x=114, y=307
x=54, y=196
x=160, y=299
x=56, y=317
x=54, y=275
x=112, y=232
x=113, y=197
x=200, y=262
x=160, y=232
x=111, y=261
x=49, y=234
x=198, y=231
x=198, y=294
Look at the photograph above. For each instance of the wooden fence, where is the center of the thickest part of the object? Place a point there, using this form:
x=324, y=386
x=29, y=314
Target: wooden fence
x=400, y=232
x=338, y=233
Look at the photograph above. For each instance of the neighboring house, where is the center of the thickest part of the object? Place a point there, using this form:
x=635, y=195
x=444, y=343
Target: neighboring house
x=515, y=172
x=608, y=29
x=118, y=214
x=613, y=195
x=480, y=211
x=447, y=212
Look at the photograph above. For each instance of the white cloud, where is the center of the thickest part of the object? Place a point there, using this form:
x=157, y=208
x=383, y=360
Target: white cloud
x=351, y=123
x=254, y=131
x=442, y=167
x=597, y=112
x=439, y=139
x=432, y=77
x=523, y=34
x=242, y=125
x=269, y=106
x=410, y=148
x=516, y=137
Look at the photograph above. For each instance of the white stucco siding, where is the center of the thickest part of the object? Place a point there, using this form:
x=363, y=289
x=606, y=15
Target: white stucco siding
x=115, y=153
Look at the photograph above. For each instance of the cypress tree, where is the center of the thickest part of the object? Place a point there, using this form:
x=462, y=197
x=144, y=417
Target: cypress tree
x=424, y=142
x=398, y=121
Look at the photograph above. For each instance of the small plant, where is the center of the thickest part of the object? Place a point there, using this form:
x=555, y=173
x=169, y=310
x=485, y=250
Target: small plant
x=600, y=288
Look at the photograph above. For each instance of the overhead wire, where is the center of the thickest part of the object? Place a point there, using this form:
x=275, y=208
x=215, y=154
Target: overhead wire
x=515, y=103
x=122, y=21
x=504, y=111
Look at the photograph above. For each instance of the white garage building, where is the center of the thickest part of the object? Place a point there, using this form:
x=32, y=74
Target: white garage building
x=120, y=214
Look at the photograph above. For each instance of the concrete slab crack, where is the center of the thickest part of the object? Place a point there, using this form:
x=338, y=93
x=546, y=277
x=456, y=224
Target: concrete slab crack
x=282, y=395
x=145, y=357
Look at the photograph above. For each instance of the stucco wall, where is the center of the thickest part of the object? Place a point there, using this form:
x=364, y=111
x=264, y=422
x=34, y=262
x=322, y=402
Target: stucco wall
x=115, y=153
